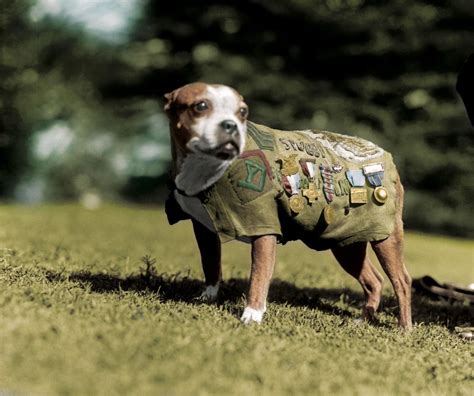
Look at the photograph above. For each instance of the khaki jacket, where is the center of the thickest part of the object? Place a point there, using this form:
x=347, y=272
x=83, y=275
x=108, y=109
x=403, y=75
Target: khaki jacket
x=299, y=185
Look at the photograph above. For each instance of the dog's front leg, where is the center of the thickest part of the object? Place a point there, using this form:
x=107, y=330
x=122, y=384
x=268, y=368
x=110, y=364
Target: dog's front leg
x=210, y=249
x=263, y=262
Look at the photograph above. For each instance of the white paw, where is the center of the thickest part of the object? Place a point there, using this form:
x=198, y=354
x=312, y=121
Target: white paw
x=251, y=315
x=210, y=293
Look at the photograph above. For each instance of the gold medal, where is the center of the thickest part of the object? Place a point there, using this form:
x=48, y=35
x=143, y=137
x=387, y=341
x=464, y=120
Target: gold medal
x=297, y=203
x=289, y=166
x=311, y=193
x=380, y=195
x=328, y=214
x=358, y=195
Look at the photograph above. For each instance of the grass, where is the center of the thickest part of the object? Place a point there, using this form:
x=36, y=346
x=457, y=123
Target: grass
x=82, y=313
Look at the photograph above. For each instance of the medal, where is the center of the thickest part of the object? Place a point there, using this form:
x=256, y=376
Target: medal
x=328, y=214
x=337, y=168
x=374, y=173
x=380, y=195
x=292, y=184
x=296, y=203
x=311, y=193
x=289, y=166
x=309, y=169
x=358, y=195
x=356, y=177
x=328, y=182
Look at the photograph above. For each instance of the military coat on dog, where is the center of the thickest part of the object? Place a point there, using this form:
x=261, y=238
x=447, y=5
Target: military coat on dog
x=323, y=188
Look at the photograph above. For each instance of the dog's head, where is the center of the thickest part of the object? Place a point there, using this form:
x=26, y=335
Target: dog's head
x=207, y=119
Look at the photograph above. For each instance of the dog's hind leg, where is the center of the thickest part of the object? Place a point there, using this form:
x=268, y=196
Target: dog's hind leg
x=354, y=259
x=210, y=249
x=390, y=254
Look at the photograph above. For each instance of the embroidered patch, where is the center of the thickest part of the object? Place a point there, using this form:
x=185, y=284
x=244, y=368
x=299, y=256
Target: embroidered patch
x=348, y=147
x=328, y=182
x=256, y=176
x=264, y=140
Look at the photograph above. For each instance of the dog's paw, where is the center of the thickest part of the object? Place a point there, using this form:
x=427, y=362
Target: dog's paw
x=251, y=315
x=209, y=294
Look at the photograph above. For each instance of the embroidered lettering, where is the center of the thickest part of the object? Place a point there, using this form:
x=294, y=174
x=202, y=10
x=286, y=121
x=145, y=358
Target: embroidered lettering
x=308, y=148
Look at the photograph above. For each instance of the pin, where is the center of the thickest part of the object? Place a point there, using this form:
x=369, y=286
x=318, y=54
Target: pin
x=380, y=195
x=328, y=214
x=311, y=193
x=358, y=195
x=292, y=184
x=356, y=177
x=289, y=166
x=296, y=203
x=309, y=168
x=328, y=182
x=372, y=168
x=374, y=173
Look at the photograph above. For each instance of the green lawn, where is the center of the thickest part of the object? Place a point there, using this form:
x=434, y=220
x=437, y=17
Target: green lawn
x=79, y=314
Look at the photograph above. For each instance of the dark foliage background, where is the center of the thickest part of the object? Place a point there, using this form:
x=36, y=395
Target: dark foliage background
x=81, y=114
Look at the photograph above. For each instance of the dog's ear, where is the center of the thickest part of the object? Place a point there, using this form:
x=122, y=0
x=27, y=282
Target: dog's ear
x=170, y=99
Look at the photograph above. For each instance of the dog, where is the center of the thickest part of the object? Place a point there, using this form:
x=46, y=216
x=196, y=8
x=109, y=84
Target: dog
x=239, y=180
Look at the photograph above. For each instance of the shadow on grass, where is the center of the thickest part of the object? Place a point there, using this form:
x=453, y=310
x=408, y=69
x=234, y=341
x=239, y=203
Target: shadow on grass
x=181, y=288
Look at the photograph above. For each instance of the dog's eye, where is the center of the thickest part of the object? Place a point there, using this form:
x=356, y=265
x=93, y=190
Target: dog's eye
x=200, y=106
x=243, y=111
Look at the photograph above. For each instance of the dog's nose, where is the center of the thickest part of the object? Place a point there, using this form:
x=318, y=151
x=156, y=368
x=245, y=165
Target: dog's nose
x=228, y=126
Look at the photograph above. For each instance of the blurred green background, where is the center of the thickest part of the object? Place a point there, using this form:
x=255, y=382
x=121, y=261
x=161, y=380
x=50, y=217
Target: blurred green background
x=82, y=84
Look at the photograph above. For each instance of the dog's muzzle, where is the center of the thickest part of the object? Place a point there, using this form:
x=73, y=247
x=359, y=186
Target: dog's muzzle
x=229, y=141
x=227, y=150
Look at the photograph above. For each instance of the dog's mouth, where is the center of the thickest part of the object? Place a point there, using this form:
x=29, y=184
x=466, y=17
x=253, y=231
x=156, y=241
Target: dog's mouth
x=225, y=151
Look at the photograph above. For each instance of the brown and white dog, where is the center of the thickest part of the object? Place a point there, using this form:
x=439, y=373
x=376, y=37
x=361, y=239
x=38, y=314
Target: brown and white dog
x=208, y=131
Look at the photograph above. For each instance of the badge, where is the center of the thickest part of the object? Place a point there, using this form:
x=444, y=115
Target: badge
x=264, y=140
x=311, y=193
x=309, y=168
x=292, y=184
x=356, y=177
x=256, y=176
x=374, y=173
x=328, y=182
x=289, y=166
x=296, y=203
x=380, y=195
x=358, y=195
x=328, y=214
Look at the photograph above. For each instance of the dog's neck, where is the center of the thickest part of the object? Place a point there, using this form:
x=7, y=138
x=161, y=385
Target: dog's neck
x=197, y=171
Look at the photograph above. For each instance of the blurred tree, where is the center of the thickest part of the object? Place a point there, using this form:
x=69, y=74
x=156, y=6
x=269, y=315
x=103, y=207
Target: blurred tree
x=13, y=132
x=382, y=70
x=61, y=139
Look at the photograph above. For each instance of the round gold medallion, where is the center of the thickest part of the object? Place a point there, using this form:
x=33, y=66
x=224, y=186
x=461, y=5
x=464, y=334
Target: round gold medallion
x=297, y=203
x=380, y=195
x=328, y=214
